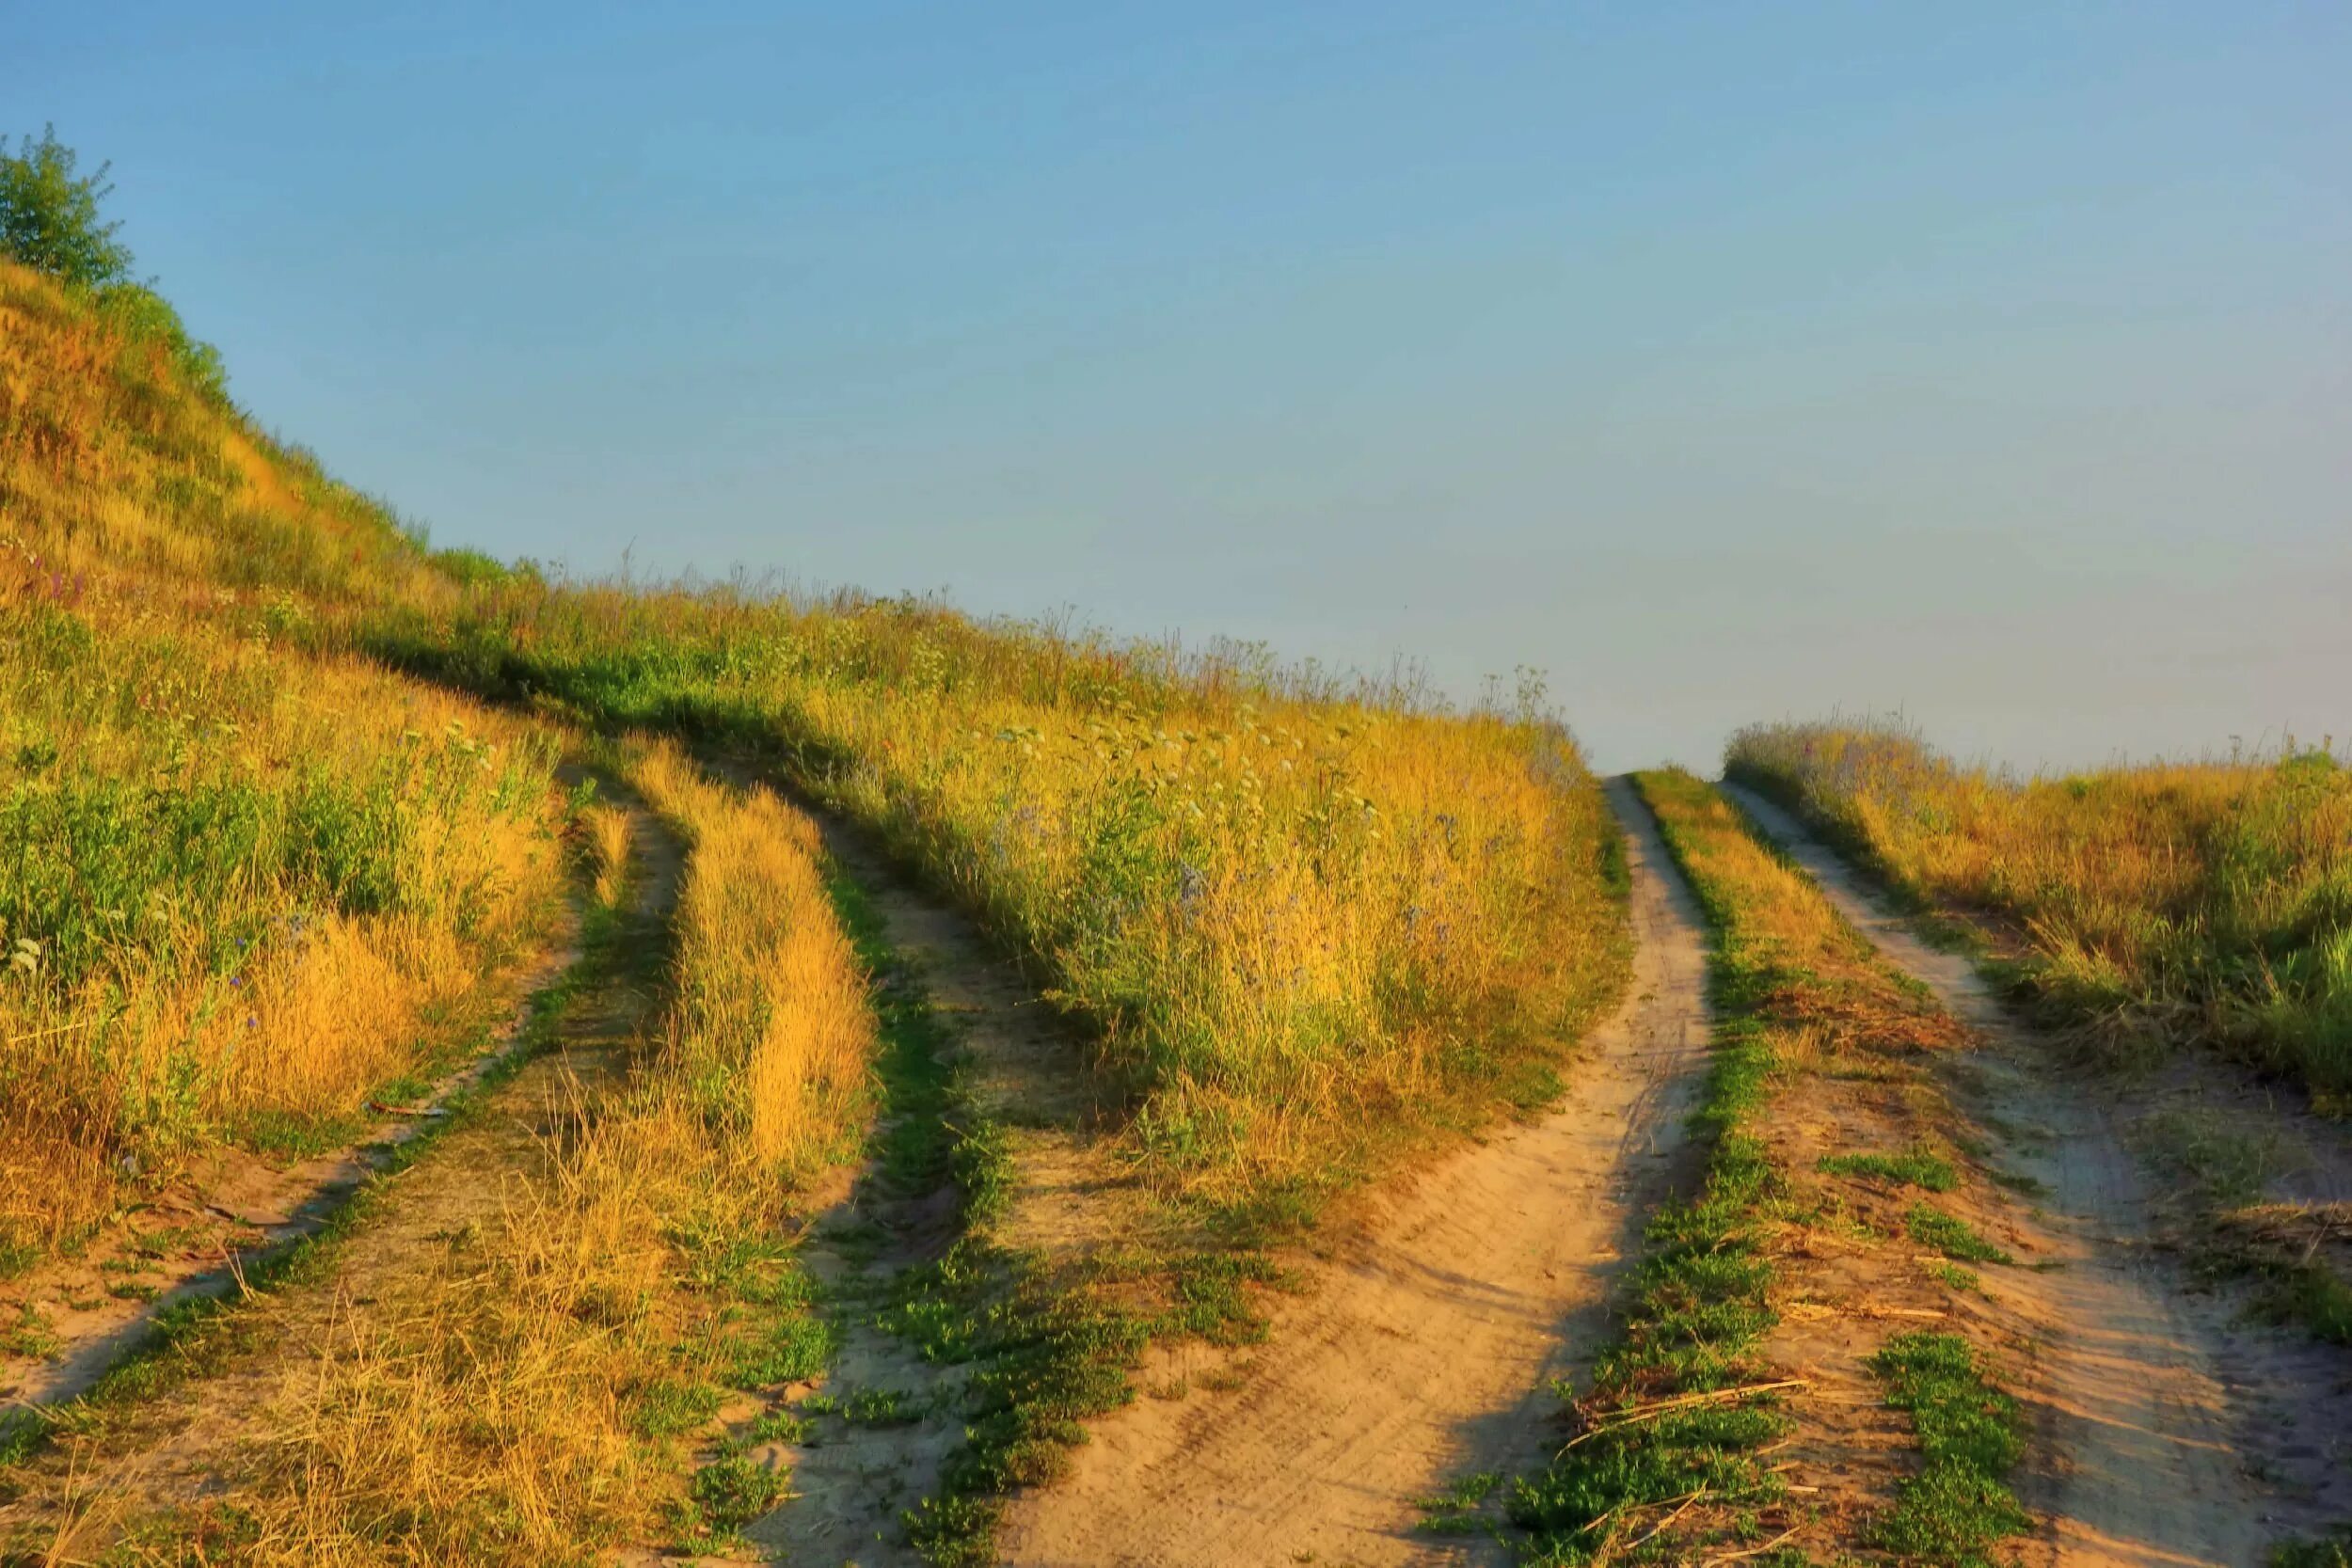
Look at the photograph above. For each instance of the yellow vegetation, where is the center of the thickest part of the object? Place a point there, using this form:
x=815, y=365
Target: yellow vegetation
x=524, y=1398
x=2185, y=900
x=1307, y=919
x=242, y=883
x=770, y=1033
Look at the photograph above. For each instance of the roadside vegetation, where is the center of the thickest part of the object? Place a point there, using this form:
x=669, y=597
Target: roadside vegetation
x=584, y=1364
x=1668, y=1458
x=586, y=1369
x=2207, y=903
x=280, y=806
x=1313, y=923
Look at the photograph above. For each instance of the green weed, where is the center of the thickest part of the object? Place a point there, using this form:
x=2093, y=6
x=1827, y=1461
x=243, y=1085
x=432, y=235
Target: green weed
x=1959, y=1505
x=1920, y=1166
x=1952, y=1236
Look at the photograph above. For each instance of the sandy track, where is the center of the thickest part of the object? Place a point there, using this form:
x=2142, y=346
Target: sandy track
x=1028, y=1070
x=2170, y=1431
x=1425, y=1351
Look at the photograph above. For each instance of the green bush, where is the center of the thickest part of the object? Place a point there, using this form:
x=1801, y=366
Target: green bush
x=49, y=219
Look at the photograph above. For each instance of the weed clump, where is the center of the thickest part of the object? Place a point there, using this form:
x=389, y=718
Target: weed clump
x=1958, y=1505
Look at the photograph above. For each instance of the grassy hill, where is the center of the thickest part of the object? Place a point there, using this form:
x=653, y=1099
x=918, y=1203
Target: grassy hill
x=267, y=770
x=250, y=880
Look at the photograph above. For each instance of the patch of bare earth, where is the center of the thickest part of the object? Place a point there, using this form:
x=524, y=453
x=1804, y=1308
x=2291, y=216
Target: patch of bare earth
x=183, y=1445
x=2168, y=1427
x=1422, y=1348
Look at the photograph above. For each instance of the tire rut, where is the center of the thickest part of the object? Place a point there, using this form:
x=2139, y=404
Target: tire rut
x=1426, y=1351
x=2169, y=1430
x=182, y=1443
x=1025, y=1069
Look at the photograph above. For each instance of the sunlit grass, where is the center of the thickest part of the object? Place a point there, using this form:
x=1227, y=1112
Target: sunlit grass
x=244, y=881
x=242, y=888
x=2186, y=902
x=1309, y=920
x=548, y=1385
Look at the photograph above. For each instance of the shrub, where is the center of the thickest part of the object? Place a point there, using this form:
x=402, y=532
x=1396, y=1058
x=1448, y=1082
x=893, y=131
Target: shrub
x=50, y=219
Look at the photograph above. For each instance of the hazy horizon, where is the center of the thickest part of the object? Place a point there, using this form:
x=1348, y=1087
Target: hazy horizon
x=1993, y=368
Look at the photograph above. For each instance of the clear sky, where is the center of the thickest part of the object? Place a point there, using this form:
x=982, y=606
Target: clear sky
x=1989, y=361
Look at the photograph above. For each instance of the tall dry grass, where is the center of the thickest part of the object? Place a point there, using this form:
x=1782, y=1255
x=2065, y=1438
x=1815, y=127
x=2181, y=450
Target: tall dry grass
x=242, y=882
x=538, y=1393
x=2207, y=901
x=240, y=889
x=771, y=1035
x=111, y=465
x=1309, y=919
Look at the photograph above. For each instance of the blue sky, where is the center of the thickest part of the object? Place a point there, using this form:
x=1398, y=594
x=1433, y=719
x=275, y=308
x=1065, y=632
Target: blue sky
x=1993, y=362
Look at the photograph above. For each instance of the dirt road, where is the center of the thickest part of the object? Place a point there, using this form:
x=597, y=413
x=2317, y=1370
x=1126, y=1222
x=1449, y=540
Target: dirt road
x=1424, y=1352
x=2169, y=1430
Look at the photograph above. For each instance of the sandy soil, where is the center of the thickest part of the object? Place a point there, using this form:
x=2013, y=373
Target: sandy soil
x=1424, y=1352
x=2170, y=1429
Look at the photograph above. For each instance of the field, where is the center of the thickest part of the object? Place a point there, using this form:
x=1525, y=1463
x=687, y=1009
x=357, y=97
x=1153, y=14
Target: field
x=1310, y=923
x=2181, y=902
x=504, y=1069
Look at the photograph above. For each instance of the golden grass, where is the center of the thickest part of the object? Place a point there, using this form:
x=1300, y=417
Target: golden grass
x=605, y=837
x=539, y=1390
x=770, y=1032
x=1830, y=992
x=1308, y=920
x=111, y=467
x=242, y=883
x=2190, y=901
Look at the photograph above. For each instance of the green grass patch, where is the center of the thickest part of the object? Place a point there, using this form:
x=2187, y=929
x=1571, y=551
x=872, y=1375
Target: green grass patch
x=673, y=1406
x=1959, y=1505
x=2334, y=1552
x=1455, y=1509
x=1953, y=1276
x=1952, y=1236
x=724, y=1495
x=1917, y=1167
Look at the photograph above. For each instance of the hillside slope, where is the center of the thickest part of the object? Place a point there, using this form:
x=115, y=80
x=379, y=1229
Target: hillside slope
x=249, y=881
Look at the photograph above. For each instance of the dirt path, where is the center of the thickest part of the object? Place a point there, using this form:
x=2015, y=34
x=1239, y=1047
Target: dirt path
x=1025, y=1069
x=121, y=1459
x=192, y=1239
x=1028, y=1067
x=2169, y=1430
x=1425, y=1351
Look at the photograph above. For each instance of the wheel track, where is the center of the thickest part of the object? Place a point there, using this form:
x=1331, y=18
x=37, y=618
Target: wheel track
x=2168, y=1430
x=182, y=1443
x=1426, y=1351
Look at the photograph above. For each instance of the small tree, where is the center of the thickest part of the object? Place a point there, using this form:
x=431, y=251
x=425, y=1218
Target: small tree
x=49, y=219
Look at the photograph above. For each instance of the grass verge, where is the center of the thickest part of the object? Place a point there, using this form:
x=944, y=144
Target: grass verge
x=1959, y=1506
x=1667, y=1461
